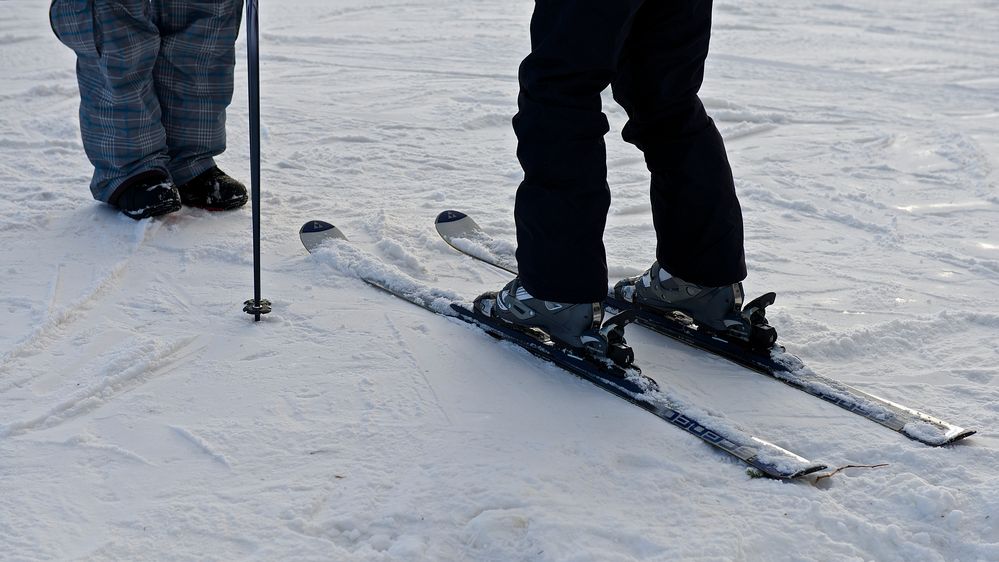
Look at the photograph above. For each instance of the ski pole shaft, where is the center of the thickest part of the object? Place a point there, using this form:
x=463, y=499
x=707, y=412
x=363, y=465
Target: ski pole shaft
x=257, y=306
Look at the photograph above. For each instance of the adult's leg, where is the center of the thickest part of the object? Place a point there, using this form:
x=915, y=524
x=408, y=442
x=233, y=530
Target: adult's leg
x=194, y=79
x=116, y=45
x=562, y=203
x=695, y=210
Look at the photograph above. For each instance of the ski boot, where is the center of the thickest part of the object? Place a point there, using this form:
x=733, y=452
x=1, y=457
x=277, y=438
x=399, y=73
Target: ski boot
x=718, y=309
x=577, y=327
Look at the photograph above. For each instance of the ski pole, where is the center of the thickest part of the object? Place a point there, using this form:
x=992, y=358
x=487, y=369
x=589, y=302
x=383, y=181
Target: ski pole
x=256, y=306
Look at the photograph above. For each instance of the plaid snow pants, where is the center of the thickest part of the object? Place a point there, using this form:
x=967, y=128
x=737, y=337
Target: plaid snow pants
x=155, y=79
x=651, y=53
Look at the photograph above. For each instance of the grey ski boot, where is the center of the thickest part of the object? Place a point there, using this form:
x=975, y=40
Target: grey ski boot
x=717, y=308
x=574, y=325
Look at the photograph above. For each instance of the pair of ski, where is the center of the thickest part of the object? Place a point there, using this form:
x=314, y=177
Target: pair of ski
x=627, y=381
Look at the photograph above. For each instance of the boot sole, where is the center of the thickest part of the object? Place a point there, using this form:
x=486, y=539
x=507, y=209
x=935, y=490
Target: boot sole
x=156, y=211
x=232, y=205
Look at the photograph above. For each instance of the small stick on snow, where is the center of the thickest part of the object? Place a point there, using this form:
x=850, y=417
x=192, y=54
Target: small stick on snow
x=842, y=468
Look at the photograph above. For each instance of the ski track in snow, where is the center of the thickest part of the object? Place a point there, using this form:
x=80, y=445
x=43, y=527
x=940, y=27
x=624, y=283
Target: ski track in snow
x=58, y=315
x=124, y=370
x=143, y=416
x=202, y=445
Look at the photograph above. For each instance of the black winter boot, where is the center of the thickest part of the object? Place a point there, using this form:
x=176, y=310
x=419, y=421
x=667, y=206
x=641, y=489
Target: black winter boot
x=147, y=194
x=214, y=190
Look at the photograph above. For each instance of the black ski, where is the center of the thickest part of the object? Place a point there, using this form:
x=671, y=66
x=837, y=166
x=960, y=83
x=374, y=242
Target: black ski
x=626, y=382
x=463, y=234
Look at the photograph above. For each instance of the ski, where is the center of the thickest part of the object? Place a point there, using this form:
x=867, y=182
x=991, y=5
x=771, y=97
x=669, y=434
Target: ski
x=462, y=233
x=628, y=382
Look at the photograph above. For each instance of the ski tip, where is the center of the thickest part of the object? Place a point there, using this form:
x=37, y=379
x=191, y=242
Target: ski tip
x=452, y=225
x=314, y=233
x=315, y=226
x=449, y=216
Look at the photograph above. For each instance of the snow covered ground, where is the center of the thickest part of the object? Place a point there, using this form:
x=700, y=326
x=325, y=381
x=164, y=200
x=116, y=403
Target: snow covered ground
x=144, y=416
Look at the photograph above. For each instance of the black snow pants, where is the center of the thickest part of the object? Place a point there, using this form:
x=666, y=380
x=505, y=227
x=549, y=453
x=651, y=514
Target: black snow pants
x=651, y=52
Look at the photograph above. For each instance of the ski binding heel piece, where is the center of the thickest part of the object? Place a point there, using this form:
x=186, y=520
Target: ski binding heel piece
x=600, y=346
x=618, y=350
x=761, y=334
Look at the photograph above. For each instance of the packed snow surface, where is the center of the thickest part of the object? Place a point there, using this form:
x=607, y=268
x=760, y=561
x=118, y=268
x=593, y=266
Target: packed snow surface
x=143, y=415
